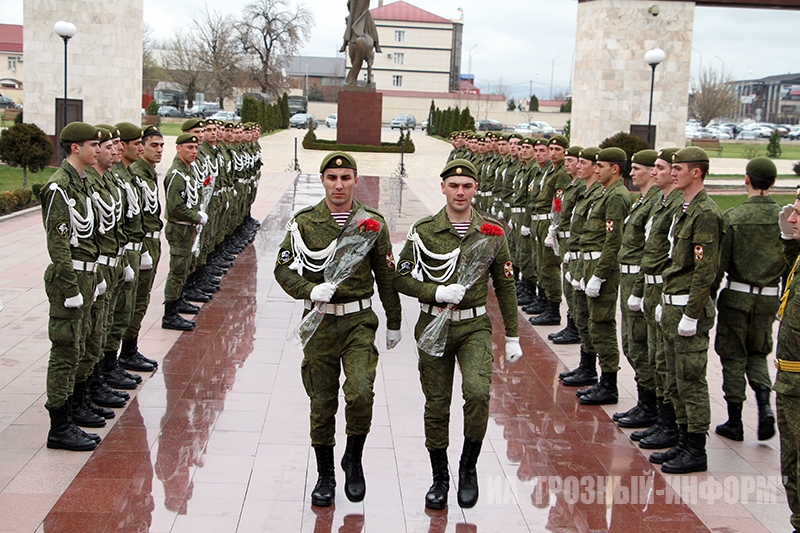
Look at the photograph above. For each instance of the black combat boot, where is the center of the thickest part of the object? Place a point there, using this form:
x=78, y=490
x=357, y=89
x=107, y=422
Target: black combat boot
x=568, y=373
x=202, y=285
x=647, y=413
x=586, y=374
x=766, y=418
x=468, y=474
x=622, y=414
x=193, y=294
x=187, y=308
x=550, y=317
x=436, y=498
x=693, y=458
x=539, y=304
x=528, y=293
x=568, y=335
x=639, y=435
x=325, y=489
x=666, y=436
x=114, y=375
x=104, y=412
x=605, y=394
x=172, y=320
x=354, y=486
x=733, y=428
x=102, y=394
x=131, y=359
x=658, y=458
x=64, y=435
x=79, y=412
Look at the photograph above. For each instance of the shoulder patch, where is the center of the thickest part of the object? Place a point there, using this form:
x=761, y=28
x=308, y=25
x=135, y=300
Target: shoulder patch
x=610, y=226
x=405, y=267
x=284, y=256
x=390, y=260
x=699, y=253
x=62, y=229
x=508, y=269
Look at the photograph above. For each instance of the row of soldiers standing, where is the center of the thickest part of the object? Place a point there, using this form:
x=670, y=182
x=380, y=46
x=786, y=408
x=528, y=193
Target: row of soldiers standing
x=574, y=231
x=102, y=219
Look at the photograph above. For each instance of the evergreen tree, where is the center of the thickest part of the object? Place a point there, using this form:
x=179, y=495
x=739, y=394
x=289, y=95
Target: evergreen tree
x=26, y=146
x=467, y=122
x=512, y=105
x=534, y=104
x=251, y=110
x=431, y=114
x=774, y=146
x=285, y=115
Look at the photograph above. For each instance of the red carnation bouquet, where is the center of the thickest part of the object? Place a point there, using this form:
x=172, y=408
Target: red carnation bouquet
x=208, y=193
x=551, y=241
x=355, y=242
x=475, y=258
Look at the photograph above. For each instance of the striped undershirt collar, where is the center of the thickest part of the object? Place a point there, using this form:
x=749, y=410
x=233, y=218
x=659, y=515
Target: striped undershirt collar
x=341, y=218
x=461, y=227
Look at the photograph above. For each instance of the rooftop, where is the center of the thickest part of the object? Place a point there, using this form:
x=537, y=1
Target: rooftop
x=403, y=11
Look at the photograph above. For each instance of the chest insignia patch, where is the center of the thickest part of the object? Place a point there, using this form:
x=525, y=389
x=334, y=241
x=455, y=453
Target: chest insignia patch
x=508, y=269
x=390, y=260
x=610, y=226
x=62, y=229
x=405, y=267
x=284, y=256
x=699, y=253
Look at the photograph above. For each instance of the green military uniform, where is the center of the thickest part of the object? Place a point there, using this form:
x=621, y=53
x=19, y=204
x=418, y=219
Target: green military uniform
x=522, y=243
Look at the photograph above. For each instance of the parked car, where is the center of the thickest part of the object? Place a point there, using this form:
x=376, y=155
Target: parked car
x=794, y=133
x=527, y=128
x=424, y=125
x=544, y=128
x=6, y=101
x=227, y=116
x=489, y=125
x=202, y=110
x=332, y=120
x=300, y=121
x=168, y=111
x=747, y=135
x=404, y=121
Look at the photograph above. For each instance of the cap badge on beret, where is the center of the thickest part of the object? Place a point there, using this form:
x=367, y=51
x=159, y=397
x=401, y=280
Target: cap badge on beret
x=459, y=171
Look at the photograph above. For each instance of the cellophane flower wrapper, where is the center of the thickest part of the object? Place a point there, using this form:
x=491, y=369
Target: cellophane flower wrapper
x=555, y=216
x=357, y=239
x=474, y=260
x=208, y=193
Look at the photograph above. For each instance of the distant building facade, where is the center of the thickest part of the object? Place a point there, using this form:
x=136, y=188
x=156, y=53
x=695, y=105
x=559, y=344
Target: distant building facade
x=12, y=66
x=316, y=77
x=772, y=99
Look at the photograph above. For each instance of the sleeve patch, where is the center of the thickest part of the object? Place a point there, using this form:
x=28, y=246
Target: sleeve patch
x=610, y=226
x=62, y=229
x=405, y=267
x=285, y=256
x=699, y=253
x=390, y=260
x=508, y=269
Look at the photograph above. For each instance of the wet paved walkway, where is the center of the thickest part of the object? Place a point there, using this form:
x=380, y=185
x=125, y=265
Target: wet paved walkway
x=217, y=439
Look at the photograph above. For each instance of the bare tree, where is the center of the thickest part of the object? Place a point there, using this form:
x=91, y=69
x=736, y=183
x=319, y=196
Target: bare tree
x=712, y=97
x=152, y=72
x=217, y=50
x=184, y=66
x=272, y=32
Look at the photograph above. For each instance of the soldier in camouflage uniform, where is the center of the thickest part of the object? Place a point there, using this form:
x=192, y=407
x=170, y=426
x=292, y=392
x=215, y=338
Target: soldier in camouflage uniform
x=425, y=268
x=519, y=231
x=345, y=338
x=183, y=214
x=751, y=255
x=787, y=354
x=70, y=282
x=586, y=371
x=633, y=327
x=531, y=294
x=687, y=310
x=600, y=243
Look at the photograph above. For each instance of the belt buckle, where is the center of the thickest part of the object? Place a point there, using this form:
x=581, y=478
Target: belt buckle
x=338, y=309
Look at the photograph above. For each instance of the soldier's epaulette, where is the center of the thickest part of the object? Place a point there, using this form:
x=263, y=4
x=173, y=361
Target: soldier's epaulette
x=302, y=210
x=373, y=211
x=491, y=220
x=423, y=220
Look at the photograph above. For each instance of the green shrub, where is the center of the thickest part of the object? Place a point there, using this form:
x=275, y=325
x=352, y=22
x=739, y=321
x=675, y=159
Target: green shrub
x=11, y=201
x=322, y=144
x=796, y=168
x=774, y=146
x=26, y=146
x=629, y=143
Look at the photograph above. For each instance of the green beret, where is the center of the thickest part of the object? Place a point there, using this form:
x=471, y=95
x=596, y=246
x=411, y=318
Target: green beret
x=501, y=136
x=559, y=140
x=193, y=123
x=184, y=138
x=611, y=155
x=667, y=153
x=459, y=167
x=77, y=132
x=573, y=151
x=105, y=135
x=589, y=153
x=113, y=130
x=528, y=141
x=338, y=160
x=645, y=157
x=229, y=125
x=151, y=131
x=129, y=132
x=690, y=154
x=515, y=136
x=763, y=168
x=539, y=141
x=797, y=193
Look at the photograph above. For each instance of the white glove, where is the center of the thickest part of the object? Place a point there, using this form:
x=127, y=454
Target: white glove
x=687, y=327
x=146, y=262
x=550, y=241
x=513, y=349
x=576, y=284
x=129, y=274
x=450, y=294
x=511, y=224
x=634, y=303
x=101, y=288
x=323, y=292
x=593, y=287
x=787, y=231
x=568, y=277
x=657, y=313
x=500, y=215
x=525, y=231
x=203, y=217
x=493, y=211
x=582, y=284
x=393, y=336
x=75, y=302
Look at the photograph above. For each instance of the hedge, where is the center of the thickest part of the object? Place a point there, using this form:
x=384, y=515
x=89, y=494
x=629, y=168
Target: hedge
x=310, y=142
x=16, y=200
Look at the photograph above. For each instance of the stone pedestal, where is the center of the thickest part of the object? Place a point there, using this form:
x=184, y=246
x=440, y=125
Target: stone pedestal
x=359, y=120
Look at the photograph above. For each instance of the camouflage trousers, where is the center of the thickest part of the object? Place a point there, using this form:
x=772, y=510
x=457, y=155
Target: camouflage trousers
x=567, y=288
x=744, y=340
x=687, y=360
x=581, y=308
x=603, y=318
x=67, y=329
x=548, y=264
x=525, y=258
x=789, y=428
x=144, y=286
x=181, y=260
x=470, y=343
x=344, y=343
x=656, y=345
x=634, y=336
x=101, y=312
x=126, y=302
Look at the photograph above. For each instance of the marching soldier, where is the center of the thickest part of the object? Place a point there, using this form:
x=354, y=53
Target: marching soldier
x=345, y=338
x=425, y=271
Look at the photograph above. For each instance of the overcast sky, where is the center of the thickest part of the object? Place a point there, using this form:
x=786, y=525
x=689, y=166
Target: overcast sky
x=752, y=43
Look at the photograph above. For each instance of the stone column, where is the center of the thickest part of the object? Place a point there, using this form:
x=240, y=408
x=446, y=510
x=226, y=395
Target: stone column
x=611, y=87
x=105, y=60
